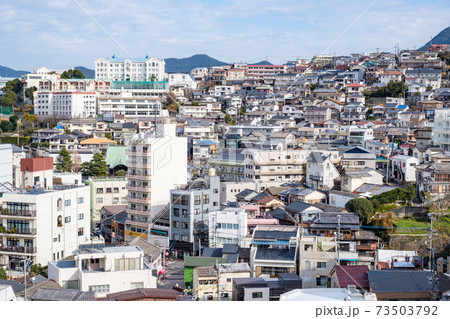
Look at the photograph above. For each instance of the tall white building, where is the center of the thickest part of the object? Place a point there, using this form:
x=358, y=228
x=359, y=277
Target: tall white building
x=130, y=69
x=228, y=226
x=103, y=269
x=65, y=104
x=130, y=106
x=157, y=163
x=43, y=224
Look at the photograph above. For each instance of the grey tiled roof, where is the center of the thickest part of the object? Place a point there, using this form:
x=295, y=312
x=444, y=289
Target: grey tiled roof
x=275, y=254
x=400, y=281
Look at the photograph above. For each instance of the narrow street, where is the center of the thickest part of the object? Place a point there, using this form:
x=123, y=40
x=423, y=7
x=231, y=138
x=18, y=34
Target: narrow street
x=174, y=275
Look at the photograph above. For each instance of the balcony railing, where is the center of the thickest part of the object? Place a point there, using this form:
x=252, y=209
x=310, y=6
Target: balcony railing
x=19, y=249
x=21, y=231
x=19, y=212
x=367, y=247
x=141, y=200
x=138, y=212
x=138, y=176
x=138, y=188
x=138, y=164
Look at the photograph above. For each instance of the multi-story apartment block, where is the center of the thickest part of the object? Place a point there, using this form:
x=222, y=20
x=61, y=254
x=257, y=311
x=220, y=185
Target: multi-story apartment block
x=317, y=114
x=130, y=106
x=289, y=165
x=189, y=213
x=157, y=163
x=134, y=69
x=321, y=60
x=441, y=135
x=228, y=226
x=106, y=191
x=103, y=269
x=259, y=71
x=43, y=224
x=62, y=104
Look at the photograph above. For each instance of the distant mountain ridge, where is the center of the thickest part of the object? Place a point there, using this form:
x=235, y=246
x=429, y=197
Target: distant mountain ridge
x=187, y=64
x=443, y=37
x=11, y=73
x=88, y=73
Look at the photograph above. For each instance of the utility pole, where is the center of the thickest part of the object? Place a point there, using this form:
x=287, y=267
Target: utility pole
x=339, y=238
x=218, y=280
x=25, y=265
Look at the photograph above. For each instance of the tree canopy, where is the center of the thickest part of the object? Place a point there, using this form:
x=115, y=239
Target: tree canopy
x=64, y=161
x=72, y=74
x=96, y=167
x=363, y=207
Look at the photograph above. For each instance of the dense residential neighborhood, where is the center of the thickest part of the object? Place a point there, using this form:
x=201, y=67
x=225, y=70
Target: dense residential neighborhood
x=321, y=179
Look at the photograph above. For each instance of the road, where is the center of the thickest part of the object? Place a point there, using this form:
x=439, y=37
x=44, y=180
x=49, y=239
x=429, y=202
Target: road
x=174, y=275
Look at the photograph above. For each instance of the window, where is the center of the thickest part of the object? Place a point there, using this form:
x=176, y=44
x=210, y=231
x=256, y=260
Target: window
x=176, y=212
x=197, y=200
x=80, y=231
x=257, y=295
x=99, y=288
x=135, y=285
x=215, y=191
x=184, y=225
x=176, y=224
x=80, y=216
x=321, y=281
x=80, y=200
x=59, y=221
x=99, y=190
x=116, y=200
x=184, y=213
x=229, y=279
x=59, y=204
x=108, y=190
x=67, y=202
x=70, y=284
x=99, y=200
x=205, y=199
x=67, y=219
x=184, y=200
x=175, y=199
x=116, y=189
x=321, y=265
x=215, y=204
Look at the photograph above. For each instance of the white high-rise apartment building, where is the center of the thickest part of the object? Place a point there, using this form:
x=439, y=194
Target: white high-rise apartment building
x=126, y=69
x=65, y=104
x=157, y=163
x=43, y=224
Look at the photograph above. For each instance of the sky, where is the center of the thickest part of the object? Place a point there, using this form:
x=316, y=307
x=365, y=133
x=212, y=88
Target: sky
x=62, y=34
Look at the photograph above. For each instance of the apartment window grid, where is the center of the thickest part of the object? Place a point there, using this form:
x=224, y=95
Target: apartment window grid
x=99, y=288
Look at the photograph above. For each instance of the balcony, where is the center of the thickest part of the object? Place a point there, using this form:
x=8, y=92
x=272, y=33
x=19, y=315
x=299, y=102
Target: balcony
x=138, y=212
x=138, y=176
x=137, y=188
x=18, y=213
x=19, y=249
x=19, y=231
x=372, y=246
x=138, y=153
x=140, y=200
x=138, y=164
x=137, y=223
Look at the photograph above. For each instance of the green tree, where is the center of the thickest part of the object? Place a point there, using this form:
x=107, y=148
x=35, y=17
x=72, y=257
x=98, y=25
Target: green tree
x=13, y=86
x=153, y=78
x=9, y=99
x=120, y=172
x=6, y=126
x=37, y=269
x=3, y=273
x=314, y=86
x=72, y=74
x=96, y=167
x=429, y=88
x=363, y=207
x=64, y=161
x=29, y=93
x=14, y=119
x=109, y=136
x=396, y=89
x=228, y=119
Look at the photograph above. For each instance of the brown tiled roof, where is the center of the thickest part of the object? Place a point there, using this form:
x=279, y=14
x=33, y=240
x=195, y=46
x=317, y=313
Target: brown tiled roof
x=353, y=275
x=143, y=293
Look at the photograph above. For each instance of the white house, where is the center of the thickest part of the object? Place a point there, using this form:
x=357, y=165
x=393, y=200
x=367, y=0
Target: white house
x=403, y=168
x=43, y=224
x=320, y=172
x=130, y=69
x=340, y=198
x=104, y=270
x=228, y=226
x=182, y=79
x=353, y=179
